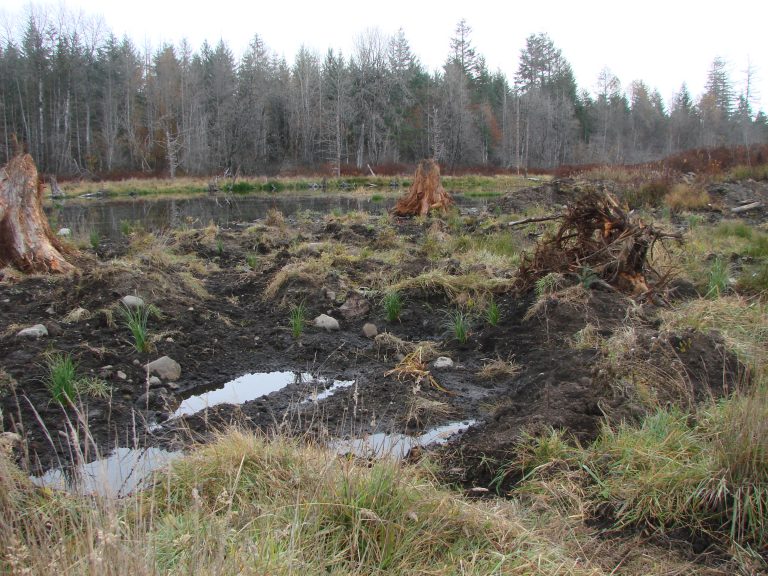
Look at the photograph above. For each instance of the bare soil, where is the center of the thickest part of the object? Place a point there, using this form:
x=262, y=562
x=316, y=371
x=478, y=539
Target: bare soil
x=236, y=330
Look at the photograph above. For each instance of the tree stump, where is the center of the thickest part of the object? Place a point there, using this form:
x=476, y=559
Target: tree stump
x=426, y=192
x=26, y=240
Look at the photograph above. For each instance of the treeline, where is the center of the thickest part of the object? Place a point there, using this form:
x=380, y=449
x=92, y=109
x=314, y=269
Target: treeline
x=86, y=102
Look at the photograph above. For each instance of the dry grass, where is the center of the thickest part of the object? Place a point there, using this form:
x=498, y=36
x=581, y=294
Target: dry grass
x=248, y=505
x=438, y=281
x=498, y=369
x=414, y=368
x=389, y=343
x=687, y=197
x=307, y=272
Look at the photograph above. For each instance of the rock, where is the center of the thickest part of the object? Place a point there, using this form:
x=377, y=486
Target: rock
x=326, y=322
x=331, y=295
x=442, y=363
x=355, y=307
x=136, y=362
x=166, y=368
x=132, y=301
x=54, y=329
x=121, y=375
x=64, y=232
x=36, y=331
x=370, y=330
x=155, y=382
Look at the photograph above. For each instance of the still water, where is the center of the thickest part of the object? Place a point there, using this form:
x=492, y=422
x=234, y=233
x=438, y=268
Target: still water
x=106, y=216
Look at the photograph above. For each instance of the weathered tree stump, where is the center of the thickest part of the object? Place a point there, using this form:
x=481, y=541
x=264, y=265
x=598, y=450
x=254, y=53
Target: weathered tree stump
x=26, y=240
x=426, y=192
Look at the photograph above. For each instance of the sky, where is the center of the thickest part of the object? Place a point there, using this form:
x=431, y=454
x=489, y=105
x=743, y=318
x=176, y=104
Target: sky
x=663, y=43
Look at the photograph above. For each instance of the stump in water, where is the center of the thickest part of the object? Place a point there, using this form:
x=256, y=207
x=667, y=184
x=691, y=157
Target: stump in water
x=426, y=192
x=26, y=240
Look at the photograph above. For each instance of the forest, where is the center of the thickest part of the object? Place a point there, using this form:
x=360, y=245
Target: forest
x=88, y=103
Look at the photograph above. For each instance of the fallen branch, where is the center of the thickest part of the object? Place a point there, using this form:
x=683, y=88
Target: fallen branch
x=535, y=219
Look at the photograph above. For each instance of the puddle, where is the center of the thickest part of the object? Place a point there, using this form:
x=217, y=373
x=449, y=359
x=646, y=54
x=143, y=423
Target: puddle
x=241, y=390
x=337, y=385
x=398, y=446
x=258, y=384
x=121, y=473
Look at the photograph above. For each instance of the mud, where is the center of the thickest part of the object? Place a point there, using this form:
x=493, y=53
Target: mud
x=234, y=330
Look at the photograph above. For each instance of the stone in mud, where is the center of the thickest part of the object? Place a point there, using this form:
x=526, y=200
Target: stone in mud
x=443, y=363
x=132, y=301
x=36, y=331
x=165, y=367
x=54, y=329
x=370, y=330
x=155, y=382
x=326, y=322
x=355, y=307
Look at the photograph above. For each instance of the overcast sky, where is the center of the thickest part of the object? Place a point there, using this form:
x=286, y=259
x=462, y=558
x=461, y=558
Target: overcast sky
x=663, y=43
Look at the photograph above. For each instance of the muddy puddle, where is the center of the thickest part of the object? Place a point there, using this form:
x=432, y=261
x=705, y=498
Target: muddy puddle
x=258, y=384
x=398, y=446
x=122, y=472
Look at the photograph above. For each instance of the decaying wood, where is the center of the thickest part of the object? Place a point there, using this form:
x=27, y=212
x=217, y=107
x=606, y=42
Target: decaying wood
x=535, y=219
x=746, y=207
x=26, y=240
x=426, y=192
x=597, y=237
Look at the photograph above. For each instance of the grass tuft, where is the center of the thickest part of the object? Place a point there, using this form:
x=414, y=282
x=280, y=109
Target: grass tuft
x=298, y=318
x=62, y=377
x=393, y=305
x=135, y=319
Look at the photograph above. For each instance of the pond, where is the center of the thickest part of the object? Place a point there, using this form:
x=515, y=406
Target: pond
x=107, y=216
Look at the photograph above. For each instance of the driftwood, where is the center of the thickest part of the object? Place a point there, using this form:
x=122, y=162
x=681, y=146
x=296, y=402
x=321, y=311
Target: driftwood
x=26, y=240
x=597, y=239
x=426, y=192
x=746, y=207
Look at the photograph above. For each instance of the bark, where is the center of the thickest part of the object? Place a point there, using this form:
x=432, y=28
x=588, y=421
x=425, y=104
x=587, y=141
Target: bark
x=26, y=240
x=426, y=192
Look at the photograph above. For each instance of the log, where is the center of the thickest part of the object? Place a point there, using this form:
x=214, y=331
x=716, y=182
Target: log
x=26, y=240
x=746, y=207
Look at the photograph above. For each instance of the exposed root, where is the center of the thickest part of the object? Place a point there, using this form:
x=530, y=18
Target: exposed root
x=597, y=241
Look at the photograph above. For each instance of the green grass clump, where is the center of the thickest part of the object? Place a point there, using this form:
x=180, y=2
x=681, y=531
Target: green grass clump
x=94, y=238
x=298, y=319
x=719, y=274
x=243, y=187
x=135, y=319
x=393, y=305
x=742, y=172
x=459, y=323
x=492, y=313
x=62, y=377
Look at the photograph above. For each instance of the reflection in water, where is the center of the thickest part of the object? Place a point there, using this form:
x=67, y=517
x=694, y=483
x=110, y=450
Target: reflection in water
x=240, y=390
x=105, y=216
x=121, y=473
x=398, y=446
